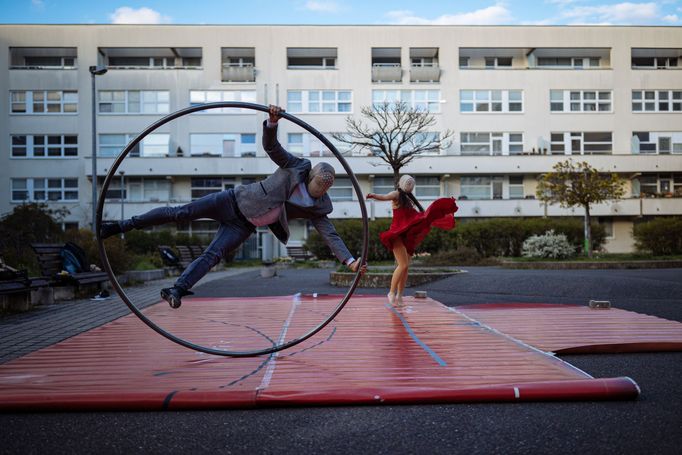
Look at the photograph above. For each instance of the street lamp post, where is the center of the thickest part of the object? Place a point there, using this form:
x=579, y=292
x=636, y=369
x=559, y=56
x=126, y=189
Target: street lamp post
x=94, y=71
x=123, y=195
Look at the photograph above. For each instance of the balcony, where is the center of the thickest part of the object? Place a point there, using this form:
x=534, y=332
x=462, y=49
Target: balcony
x=238, y=64
x=656, y=59
x=43, y=58
x=386, y=66
x=150, y=58
x=311, y=58
x=493, y=58
x=424, y=64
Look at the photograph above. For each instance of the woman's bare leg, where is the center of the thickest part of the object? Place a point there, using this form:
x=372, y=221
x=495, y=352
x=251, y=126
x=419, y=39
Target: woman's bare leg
x=403, y=281
x=403, y=260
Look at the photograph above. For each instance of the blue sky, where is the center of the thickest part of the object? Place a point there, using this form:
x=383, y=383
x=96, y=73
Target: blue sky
x=541, y=12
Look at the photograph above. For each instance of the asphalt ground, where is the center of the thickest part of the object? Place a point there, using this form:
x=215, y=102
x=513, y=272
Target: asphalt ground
x=651, y=424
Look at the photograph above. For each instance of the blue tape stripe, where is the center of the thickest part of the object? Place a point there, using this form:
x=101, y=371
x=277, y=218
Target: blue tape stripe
x=424, y=346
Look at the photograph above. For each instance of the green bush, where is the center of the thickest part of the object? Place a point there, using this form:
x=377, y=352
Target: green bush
x=119, y=258
x=505, y=236
x=28, y=223
x=462, y=255
x=141, y=242
x=661, y=236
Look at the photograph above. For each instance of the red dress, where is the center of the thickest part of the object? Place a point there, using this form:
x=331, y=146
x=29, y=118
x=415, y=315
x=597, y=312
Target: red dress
x=413, y=226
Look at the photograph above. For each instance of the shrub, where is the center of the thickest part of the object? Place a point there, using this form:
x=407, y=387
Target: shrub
x=141, y=242
x=351, y=233
x=505, y=236
x=28, y=223
x=661, y=236
x=119, y=258
x=548, y=245
x=462, y=255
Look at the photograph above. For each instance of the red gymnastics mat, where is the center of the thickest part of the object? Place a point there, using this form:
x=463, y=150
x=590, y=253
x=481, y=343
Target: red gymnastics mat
x=372, y=353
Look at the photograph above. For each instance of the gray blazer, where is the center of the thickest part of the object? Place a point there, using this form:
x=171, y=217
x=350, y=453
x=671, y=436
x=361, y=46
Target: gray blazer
x=258, y=198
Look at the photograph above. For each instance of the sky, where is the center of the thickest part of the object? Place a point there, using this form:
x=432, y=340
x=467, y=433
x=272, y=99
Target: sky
x=368, y=12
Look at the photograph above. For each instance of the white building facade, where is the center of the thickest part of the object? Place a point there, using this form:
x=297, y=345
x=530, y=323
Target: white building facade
x=519, y=99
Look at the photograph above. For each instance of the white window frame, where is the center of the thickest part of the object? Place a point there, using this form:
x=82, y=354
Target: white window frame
x=30, y=100
x=480, y=182
x=342, y=190
x=383, y=184
x=197, y=97
x=210, y=149
x=575, y=62
x=427, y=187
x=31, y=146
x=428, y=99
x=567, y=143
x=518, y=187
x=321, y=99
x=139, y=150
x=496, y=62
x=477, y=99
x=641, y=99
x=487, y=146
x=654, y=139
x=45, y=185
x=581, y=99
x=145, y=100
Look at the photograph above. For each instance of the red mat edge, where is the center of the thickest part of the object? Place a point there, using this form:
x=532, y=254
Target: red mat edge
x=621, y=388
x=619, y=348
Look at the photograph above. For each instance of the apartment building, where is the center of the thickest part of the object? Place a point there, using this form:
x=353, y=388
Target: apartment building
x=518, y=99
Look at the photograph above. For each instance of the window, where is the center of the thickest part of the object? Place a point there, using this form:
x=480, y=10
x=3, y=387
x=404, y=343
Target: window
x=222, y=144
x=657, y=101
x=139, y=189
x=424, y=100
x=42, y=58
x=581, y=143
x=154, y=145
x=133, y=102
x=488, y=143
x=476, y=187
x=498, y=62
x=516, y=187
x=464, y=62
x=44, y=146
x=203, y=186
x=383, y=185
x=44, y=102
x=427, y=187
x=579, y=101
x=342, y=190
x=319, y=101
x=654, y=62
x=645, y=142
x=197, y=97
x=45, y=189
x=491, y=101
x=311, y=58
x=569, y=62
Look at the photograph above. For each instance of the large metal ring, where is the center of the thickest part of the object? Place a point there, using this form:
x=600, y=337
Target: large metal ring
x=227, y=104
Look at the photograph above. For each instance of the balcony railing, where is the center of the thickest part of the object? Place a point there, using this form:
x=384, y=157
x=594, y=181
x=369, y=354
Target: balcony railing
x=387, y=72
x=238, y=73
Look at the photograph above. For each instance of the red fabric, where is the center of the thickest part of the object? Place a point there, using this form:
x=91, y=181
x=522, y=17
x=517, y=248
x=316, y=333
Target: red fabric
x=413, y=226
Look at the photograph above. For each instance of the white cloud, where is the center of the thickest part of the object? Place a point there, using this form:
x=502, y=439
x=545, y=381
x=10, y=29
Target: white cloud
x=38, y=4
x=322, y=6
x=127, y=15
x=672, y=18
x=562, y=3
x=619, y=13
x=492, y=15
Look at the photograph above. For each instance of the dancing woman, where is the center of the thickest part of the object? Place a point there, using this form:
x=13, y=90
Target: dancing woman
x=410, y=225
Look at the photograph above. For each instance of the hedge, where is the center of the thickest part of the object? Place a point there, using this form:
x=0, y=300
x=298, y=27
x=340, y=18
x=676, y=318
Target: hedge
x=490, y=238
x=661, y=236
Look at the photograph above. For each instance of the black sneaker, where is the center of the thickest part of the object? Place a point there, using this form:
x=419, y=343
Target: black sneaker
x=174, y=296
x=110, y=228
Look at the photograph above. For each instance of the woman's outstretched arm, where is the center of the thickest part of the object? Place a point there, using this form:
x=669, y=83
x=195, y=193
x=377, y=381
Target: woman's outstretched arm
x=392, y=196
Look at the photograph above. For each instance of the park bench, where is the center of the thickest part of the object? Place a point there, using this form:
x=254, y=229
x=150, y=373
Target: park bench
x=299, y=253
x=50, y=262
x=16, y=288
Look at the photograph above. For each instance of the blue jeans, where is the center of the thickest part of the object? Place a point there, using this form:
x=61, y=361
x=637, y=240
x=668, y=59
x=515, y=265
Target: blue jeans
x=222, y=207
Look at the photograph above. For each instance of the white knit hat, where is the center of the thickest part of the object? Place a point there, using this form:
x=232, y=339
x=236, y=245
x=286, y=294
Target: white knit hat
x=406, y=183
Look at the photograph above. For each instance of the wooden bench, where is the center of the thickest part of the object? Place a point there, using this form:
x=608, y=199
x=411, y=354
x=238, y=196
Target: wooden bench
x=15, y=292
x=299, y=252
x=50, y=262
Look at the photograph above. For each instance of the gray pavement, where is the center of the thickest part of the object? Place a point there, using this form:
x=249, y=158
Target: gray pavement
x=652, y=424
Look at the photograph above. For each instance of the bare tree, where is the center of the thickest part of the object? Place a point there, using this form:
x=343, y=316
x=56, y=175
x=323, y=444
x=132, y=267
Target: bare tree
x=579, y=184
x=395, y=132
